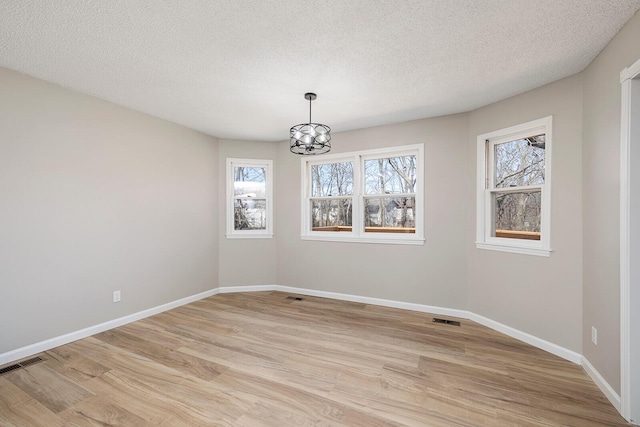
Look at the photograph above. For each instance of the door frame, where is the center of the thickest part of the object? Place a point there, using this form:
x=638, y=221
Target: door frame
x=626, y=76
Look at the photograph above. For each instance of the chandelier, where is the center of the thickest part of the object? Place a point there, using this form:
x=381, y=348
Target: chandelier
x=310, y=138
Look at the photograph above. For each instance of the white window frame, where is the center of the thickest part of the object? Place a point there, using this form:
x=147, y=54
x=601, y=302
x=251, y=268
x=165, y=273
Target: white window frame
x=357, y=233
x=249, y=234
x=485, y=176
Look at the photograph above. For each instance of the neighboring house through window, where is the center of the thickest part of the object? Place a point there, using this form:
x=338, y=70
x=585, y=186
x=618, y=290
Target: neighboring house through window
x=373, y=196
x=249, y=198
x=514, y=188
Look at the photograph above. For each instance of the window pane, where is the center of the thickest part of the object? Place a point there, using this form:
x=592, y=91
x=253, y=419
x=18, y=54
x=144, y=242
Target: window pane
x=249, y=182
x=390, y=175
x=390, y=214
x=517, y=215
x=332, y=179
x=331, y=215
x=520, y=162
x=250, y=214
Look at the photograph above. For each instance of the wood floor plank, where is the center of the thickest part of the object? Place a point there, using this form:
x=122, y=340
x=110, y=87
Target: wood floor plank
x=74, y=365
x=288, y=403
x=160, y=354
x=192, y=398
x=262, y=359
x=100, y=411
x=52, y=389
x=133, y=395
x=19, y=409
x=154, y=329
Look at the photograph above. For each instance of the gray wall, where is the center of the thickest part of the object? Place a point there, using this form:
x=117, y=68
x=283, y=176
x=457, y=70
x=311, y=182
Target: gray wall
x=538, y=295
x=433, y=274
x=532, y=294
x=245, y=261
x=95, y=198
x=601, y=201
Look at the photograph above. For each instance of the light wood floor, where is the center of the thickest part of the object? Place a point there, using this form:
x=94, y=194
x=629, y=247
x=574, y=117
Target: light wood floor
x=261, y=359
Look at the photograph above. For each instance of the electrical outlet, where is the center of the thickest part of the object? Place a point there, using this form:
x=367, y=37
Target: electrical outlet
x=594, y=335
x=116, y=296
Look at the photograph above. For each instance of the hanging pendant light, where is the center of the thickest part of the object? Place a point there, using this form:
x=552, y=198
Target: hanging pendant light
x=310, y=138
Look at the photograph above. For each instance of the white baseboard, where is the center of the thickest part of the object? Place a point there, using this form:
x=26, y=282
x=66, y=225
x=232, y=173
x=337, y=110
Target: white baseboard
x=376, y=301
x=552, y=348
x=602, y=384
x=464, y=314
x=252, y=288
x=540, y=343
x=73, y=336
x=45, y=345
x=559, y=351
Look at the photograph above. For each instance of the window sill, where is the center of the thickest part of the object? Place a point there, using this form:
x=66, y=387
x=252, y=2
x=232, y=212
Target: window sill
x=249, y=236
x=524, y=250
x=374, y=239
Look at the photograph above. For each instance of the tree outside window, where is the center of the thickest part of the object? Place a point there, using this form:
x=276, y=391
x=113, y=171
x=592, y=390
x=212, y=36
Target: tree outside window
x=371, y=196
x=249, y=194
x=250, y=202
x=389, y=200
x=519, y=164
x=331, y=196
x=514, y=189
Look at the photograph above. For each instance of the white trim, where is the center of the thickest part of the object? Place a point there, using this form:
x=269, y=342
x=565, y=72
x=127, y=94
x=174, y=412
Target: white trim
x=241, y=289
x=50, y=343
x=625, y=285
x=253, y=235
x=376, y=301
x=545, y=345
x=631, y=72
x=626, y=76
x=484, y=188
x=335, y=237
x=555, y=349
x=514, y=249
x=464, y=314
x=602, y=384
x=513, y=132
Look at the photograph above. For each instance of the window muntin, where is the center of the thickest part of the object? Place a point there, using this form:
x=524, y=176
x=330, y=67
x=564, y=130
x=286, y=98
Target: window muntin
x=514, y=188
x=249, y=193
x=370, y=196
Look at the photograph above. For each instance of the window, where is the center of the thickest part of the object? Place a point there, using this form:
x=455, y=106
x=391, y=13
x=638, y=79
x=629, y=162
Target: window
x=371, y=196
x=514, y=181
x=249, y=198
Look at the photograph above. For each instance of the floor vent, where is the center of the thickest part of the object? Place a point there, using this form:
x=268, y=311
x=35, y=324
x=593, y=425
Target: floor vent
x=446, y=322
x=295, y=298
x=20, y=365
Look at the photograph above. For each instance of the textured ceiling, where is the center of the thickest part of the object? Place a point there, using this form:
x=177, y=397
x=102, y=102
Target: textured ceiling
x=239, y=68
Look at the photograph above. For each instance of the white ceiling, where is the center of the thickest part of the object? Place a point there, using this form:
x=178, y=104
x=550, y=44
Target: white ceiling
x=239, y=68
